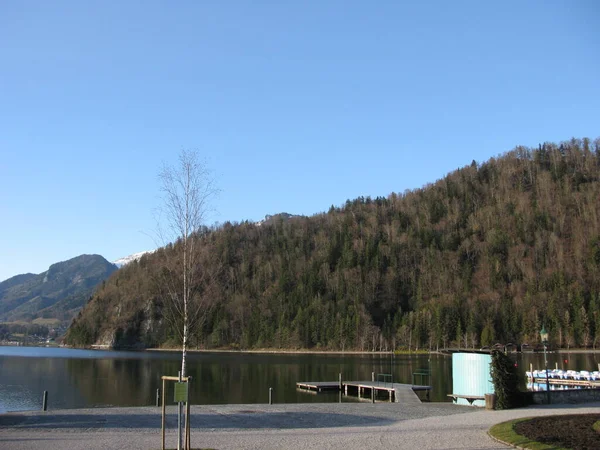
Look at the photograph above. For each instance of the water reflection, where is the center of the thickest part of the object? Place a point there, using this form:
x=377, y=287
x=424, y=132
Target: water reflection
x=78, y=379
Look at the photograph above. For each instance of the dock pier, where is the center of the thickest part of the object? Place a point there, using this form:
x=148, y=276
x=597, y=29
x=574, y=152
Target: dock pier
x=395, y=392
x=565, y=378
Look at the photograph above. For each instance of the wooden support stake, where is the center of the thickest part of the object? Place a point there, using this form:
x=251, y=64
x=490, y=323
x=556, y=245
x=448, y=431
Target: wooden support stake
x=188, y=439
x=163, y=413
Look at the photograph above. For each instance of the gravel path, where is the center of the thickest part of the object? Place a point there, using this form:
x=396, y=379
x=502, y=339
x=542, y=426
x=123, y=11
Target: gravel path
x=295, y=426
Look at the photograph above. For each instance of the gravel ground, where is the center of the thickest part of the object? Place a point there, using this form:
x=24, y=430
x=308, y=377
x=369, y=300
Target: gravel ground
x=295, y=426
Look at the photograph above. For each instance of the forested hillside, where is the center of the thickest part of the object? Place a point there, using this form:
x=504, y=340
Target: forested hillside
x=487, y=254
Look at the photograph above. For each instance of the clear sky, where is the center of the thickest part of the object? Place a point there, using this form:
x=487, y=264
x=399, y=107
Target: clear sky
x=296, y=105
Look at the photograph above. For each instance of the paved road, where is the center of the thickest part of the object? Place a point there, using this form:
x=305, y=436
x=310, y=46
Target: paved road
x=295, y=426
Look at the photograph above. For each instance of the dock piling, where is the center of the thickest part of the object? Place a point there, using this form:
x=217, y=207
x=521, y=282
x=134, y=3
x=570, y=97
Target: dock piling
x=270, y=396
x=531, y=369
x=45, y=401
x=158, y=397
x=372, y=388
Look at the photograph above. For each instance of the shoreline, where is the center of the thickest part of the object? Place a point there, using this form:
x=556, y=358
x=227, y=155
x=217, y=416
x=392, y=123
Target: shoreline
x=324, y=352
x=285, y=352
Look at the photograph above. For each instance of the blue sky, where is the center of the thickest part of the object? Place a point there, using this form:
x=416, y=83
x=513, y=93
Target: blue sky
x=295, y=105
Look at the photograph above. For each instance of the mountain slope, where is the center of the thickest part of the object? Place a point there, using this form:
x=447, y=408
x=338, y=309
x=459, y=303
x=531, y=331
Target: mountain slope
x=57, y=293
x=128, y=259
x=489, y=253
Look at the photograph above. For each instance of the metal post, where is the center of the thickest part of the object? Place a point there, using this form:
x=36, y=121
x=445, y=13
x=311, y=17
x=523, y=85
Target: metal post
x=45, y=401
x=270, y=396
x=340, y=381
x=158, y=397
x=547, y=382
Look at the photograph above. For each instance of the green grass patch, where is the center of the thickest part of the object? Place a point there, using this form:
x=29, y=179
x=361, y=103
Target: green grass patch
x=505, y=432
x=596, y=426
x=411, y=352
x=46, y=322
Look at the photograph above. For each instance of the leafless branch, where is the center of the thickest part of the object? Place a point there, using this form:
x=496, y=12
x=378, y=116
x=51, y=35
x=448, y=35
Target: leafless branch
x=186, y=275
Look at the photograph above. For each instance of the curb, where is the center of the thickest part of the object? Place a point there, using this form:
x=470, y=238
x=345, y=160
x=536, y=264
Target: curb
x=505, y=443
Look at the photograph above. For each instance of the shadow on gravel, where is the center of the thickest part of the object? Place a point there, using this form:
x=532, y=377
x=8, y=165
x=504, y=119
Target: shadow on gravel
x=234, y=420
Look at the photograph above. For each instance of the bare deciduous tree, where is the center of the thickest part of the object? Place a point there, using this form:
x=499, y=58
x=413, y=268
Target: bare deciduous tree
x=188, y=270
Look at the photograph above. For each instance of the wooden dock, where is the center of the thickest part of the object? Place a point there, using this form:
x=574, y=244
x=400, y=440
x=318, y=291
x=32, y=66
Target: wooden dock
x=395, y=392
x=566, y=382
x=319, y=386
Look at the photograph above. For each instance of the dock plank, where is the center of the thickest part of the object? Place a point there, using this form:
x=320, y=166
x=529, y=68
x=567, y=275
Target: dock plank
x=406, y=395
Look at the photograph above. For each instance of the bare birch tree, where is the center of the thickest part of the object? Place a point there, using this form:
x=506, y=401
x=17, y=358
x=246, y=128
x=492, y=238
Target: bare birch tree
x=188, y=270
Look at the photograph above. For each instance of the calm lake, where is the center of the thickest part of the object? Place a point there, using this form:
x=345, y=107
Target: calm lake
x=92, y=378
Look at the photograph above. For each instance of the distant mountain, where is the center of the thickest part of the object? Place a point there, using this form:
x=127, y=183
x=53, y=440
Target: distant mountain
x=60, y=292
x=128, y=259
x=16, y=280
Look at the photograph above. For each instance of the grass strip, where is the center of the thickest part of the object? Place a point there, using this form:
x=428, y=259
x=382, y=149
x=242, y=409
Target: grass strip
x=505, y=433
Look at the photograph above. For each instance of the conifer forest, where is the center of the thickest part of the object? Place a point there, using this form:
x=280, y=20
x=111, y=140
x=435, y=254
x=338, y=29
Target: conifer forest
x=490, y=253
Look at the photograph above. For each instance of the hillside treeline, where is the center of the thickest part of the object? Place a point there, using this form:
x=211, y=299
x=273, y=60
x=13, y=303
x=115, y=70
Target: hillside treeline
x=487, y=254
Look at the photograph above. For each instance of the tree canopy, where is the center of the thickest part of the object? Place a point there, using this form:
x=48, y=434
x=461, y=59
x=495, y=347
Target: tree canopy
x=486, y=254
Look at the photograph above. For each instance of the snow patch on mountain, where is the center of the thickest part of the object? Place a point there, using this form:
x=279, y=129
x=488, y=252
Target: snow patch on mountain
x=128, y=259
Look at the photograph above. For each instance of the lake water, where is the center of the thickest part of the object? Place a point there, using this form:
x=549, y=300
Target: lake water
x=92, y=378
